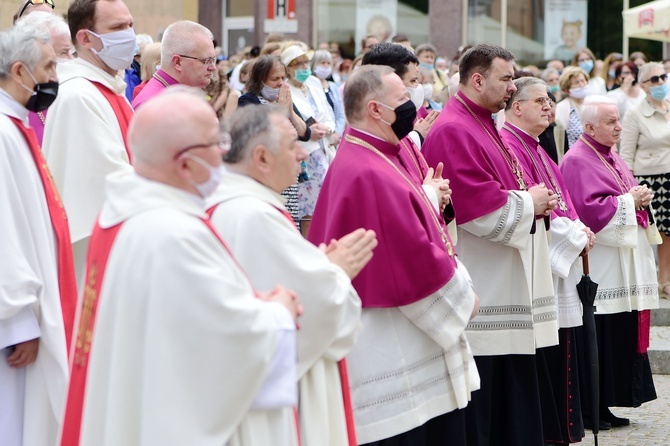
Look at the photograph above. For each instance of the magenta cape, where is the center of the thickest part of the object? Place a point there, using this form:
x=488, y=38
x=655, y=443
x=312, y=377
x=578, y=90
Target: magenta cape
x=592, y=186
x=152, y=88
x=480, y=176
x=361, y=190
x=535, y=168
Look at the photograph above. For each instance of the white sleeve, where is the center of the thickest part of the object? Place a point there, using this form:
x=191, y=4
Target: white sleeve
x=510, y=225
x=22, y=327
x=432, y=196
x=568, y=239
x=621, y=230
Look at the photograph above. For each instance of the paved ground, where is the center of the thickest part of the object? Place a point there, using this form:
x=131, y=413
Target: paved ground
x=650, y=423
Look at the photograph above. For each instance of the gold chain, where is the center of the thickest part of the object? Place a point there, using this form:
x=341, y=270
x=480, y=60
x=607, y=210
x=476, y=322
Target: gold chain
x=621, y=182
x=431, y=209
x=161, y=80
x=511, y=160
x=414, y=158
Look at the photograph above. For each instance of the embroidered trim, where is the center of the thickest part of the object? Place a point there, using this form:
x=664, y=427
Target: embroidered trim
x=504, y=309
x=644, y=290
x=513, y=200
x=620, y=220
x=544, y=302
x=503, y=325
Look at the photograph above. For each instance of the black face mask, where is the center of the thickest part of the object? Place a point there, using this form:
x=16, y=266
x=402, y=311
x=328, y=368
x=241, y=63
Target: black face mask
x=405, y=114
x=44, y=95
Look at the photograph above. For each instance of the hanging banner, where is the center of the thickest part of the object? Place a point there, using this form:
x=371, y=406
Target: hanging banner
x=281, y=17
x=378, y=17
x=564, y=28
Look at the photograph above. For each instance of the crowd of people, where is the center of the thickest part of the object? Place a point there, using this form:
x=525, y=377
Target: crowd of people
x=295, y=248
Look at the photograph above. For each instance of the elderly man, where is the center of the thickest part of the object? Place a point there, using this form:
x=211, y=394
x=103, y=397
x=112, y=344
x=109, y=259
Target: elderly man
x=503, y=247
x=84, y=138
x=37, y=282
x=264, y=160
x=526, y=116
x=174, y=346
x=187, y=57
x=616, y=208
x=60, y=40
x=29, y=6
x=411, y=370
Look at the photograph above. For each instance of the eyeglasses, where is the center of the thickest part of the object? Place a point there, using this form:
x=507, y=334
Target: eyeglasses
x=222, y=145
x=35, y=3
x=539, y=101
x=655, y=79
x=207, y=61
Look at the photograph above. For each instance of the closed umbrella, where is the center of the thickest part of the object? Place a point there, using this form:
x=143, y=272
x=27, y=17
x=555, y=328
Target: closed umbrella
x=587, y=288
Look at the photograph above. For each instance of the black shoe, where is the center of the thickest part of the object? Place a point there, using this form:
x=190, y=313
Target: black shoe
x=602, y=425
x=614, y=420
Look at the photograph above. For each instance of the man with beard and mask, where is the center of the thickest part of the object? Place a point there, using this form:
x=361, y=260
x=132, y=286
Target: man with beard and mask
x=502, y=239
x=411, y=370
x=85, y=135
x=37, y=281
x=187, y=58
x=174, y=345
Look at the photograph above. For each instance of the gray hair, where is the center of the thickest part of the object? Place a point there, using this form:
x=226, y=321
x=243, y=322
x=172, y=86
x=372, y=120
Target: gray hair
x=548, y=72
x=178, y=39
x=591, y=109
x=20, y=44
x=251, y=126
x=45, y=21
x=364, y=84
x=643, y=73
x=320, y=56
x=522, y=84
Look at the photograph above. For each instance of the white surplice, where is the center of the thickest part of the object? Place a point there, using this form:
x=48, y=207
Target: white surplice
x=512, y=276
x=82, y=144
x=182, y=351
x=271, y=250
x=622, y=263
x=32, y=398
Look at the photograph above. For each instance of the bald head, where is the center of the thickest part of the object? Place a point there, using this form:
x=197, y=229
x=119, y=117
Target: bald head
x=165, y=125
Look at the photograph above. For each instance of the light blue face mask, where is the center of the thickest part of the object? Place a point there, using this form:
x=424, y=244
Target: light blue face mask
x=659, y=92
x=587, y=66
x=553, y=89
x=611, y=73
x=426, y=66
x=302, y=75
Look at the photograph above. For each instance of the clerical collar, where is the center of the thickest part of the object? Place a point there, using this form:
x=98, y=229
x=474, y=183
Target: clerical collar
x=10, y=107
x=164, y=78
x=517, y=128
x=484, y=114
x=599, y=147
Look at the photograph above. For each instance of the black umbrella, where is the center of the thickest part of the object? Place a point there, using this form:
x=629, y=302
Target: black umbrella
x=587, y=288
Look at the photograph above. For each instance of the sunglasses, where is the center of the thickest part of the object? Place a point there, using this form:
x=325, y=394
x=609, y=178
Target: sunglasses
x=35, y=3
x=655, y=79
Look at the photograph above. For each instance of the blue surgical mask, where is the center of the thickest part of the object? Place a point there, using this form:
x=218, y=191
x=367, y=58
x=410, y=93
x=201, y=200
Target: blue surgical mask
x=659, y=92
x=587, y=66
x=426, y=66
x=553, y=89
x=302, y=75
x=611, y=73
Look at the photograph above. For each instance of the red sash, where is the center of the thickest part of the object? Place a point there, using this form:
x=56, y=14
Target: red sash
x=643, y=330
x=96, y=262
x=341, y=365
x=123, y=111
x=67, y=281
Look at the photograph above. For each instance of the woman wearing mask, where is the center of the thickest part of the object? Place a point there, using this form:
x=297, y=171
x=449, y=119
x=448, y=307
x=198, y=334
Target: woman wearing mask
x=612, y=62
x=267, y=85
x=313, y=107
x=645, y=147
x=585, y=60
x=322, y=69
x=574, y=83
x=629, y=94
x=550, y=77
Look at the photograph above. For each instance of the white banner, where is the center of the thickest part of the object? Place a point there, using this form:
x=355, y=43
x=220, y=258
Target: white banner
x=564, y=28
x=377, y=17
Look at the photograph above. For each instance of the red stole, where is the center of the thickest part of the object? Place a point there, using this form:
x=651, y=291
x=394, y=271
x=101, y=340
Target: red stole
x=341, y=365
x=643, y=330
x=96, y=262
x=123, y=111
x=67, y=282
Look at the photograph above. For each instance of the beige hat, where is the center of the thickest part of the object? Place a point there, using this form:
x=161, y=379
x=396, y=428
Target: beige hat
x=293, y=52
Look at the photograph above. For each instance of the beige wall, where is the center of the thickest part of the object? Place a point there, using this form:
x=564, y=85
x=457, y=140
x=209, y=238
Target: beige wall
x=151, y=16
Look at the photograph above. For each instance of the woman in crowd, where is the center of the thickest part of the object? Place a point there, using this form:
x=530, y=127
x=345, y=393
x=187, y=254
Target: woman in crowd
x=629, y=93
x=608, y=73
x=151, y=59
x=574, y=83
x=267, y=85
x=638, y=58
x=645, y=147
x=550, y=77
x=322, y=68
x=585, y=60
x=222, y=97
x=313, y=107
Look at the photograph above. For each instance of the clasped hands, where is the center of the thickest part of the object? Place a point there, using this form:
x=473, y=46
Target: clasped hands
x=440, y=185
x=544, y=200
x=642, y=196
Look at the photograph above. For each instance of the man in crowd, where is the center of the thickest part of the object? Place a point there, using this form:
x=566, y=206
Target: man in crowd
x=503, y=247
x=609, y=200
x=37, y=282
x=187, y=57
x=174, y=345
x=526, y=116
x=416, y=296
x=84, y=139
x=249, y=213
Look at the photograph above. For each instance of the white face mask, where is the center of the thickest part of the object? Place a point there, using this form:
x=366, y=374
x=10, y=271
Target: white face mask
x=118, y=48
x=322, y=71
x=207, y=187
x=417, y=96
x=579, y=93
x=427, y=91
